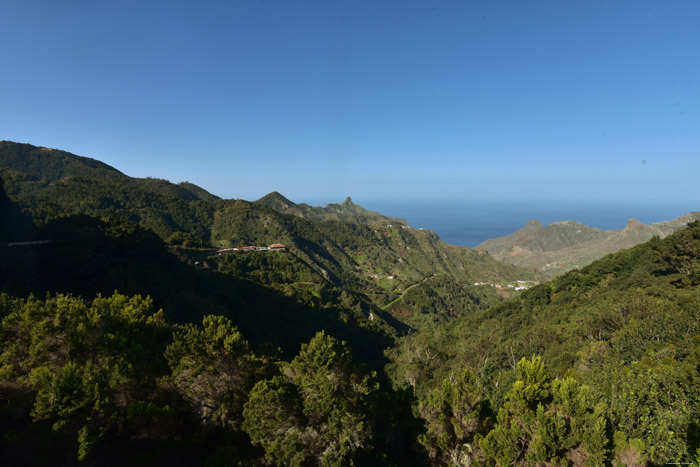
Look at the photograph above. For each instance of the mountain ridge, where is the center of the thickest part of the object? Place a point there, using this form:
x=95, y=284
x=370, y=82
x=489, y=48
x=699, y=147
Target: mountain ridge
x=370, y=255
x=53, y=164
x=565, y=245
x=346, y=211
x=25, y=162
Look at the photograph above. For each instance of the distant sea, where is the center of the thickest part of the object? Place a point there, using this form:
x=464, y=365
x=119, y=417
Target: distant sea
x=469, y=224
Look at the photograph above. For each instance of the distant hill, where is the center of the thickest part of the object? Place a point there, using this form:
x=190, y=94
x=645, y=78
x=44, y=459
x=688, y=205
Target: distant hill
x=346, y=211
x=567, y=245
x=25, y=163
x=48, y=182
x=389, y=262
x=52, y=164
x=198, y=191
x=413, y=274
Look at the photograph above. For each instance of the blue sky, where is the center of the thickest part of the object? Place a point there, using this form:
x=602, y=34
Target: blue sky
x=461, y=100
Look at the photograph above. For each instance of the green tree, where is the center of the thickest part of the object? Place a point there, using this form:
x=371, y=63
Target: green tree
x=654, y=403
x=86, y=362
x=214, y=369
x=543, y=421
x=509, y=441
x=455, y=415
x=315, y=411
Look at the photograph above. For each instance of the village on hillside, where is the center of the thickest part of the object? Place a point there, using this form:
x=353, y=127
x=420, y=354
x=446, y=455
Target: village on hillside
x=247, y=249
x=521, y=285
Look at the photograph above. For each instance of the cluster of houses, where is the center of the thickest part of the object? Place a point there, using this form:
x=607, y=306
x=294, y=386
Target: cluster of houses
x=520, y=285
x=246, y=249
x=377, y=276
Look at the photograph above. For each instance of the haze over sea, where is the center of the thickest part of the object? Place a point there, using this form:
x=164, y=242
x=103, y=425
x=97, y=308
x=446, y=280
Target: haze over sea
x=470, y=223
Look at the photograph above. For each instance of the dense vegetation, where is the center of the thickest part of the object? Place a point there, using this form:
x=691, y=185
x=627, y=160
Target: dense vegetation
x=623, y=332
x=112, y=377
x=347, y=211
x=350, y=247
x=127, y=339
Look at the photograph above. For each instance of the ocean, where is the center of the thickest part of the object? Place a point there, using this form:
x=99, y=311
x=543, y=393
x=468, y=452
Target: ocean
x=469, y=224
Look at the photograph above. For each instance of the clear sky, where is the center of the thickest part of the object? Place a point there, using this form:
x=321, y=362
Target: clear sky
x=469, y=100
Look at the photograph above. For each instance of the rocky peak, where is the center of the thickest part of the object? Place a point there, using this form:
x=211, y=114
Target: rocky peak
x=633, y=223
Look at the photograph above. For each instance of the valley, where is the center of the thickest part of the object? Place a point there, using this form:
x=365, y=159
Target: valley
x=142, y=317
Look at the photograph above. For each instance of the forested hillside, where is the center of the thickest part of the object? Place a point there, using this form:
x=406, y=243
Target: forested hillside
x=129, y=337
x=368, y=255
x=347, y=211
x=599, y=365
x=111, y=381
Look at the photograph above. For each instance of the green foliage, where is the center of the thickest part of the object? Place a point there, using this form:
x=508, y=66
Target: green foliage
x=629, y=451
x=652, y=402
x=108, y=377
x=51, y=164
x=315, y=411
x=555, y=422
x=87, y=256
x=509, y=441
x=50, y=183
x=85, y=361
x=456, y=415
x=620, y=331
x=274, y=419
x=683, y=256
x=536, y=297
x=440, y=298
x=347, y=212
x=213, y=368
